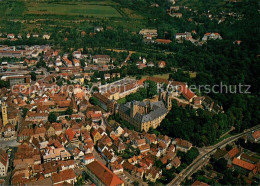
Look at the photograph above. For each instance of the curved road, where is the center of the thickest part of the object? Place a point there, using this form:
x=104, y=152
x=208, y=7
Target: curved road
x=205, y=156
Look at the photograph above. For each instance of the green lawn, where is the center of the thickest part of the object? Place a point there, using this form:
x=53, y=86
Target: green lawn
x=95, y=10
x=121, y=101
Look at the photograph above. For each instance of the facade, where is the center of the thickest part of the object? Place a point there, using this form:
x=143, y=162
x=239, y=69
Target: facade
x=143, y=115
x=101, y=59
x=105, y=103
x=9, y=131
x=150, y=32
x=18, y=80
x=3, y=163
x=185, y=35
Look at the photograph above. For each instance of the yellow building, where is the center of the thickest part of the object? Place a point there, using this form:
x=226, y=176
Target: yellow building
x=95, y=135
x=143, y=115
x=4, y=113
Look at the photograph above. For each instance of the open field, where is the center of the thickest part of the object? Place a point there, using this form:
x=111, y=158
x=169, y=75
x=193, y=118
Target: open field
x=31, y=15
x=84, y=9
x=163, y=76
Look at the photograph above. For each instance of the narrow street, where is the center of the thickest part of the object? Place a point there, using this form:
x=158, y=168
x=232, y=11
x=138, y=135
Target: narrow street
x=4, y=143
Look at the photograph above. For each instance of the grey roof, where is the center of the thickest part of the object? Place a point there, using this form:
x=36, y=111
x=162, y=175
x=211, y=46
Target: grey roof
x=157, y=109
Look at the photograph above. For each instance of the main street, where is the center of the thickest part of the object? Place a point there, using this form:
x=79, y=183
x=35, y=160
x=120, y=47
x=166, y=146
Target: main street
x=204, y=156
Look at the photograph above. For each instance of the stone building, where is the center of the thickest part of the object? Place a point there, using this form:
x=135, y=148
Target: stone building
x=143, y=115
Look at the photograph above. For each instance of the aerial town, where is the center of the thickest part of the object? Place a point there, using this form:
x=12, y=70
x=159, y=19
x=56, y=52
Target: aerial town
x=106, y=116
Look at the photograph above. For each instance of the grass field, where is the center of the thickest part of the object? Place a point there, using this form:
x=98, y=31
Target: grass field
x=163, y=76
x=85, y=9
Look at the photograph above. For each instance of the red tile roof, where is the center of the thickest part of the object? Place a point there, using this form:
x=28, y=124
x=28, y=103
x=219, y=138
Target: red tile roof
x=63, y=176
x=165, y=41
x=161, y=64
x=243, y=164
x=70, y=133
x=186, y=92
x=157, y=80
x=233, y=152
x=256, y=134
x=199, y=183
x=3, y=157
x=104, y=174
x=89, y=156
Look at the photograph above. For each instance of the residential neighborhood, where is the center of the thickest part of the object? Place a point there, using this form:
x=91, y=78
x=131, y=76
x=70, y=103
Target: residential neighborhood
x=120, y=93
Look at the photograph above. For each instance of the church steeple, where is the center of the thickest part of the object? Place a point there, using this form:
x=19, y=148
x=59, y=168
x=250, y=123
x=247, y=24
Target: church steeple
x=4, y=114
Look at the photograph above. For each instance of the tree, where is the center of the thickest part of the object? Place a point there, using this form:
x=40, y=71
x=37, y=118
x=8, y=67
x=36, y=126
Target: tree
x=82, y=63
x=93, y=100
x=70, y=56
x=33, y=76
x=4, y=84
x=191, y=155
x=24, y=112
x=220, y=165
x=151, y=88
x=158, y=163
x=52, y=117
x=69, y=111
x=228, y=147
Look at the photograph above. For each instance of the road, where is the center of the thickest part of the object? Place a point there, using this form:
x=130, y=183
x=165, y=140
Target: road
x=204, y=156
x=5, y=143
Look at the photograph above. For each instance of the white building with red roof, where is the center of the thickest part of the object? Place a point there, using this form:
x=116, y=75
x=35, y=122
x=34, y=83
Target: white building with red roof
x=161, y=64
x=186, y=93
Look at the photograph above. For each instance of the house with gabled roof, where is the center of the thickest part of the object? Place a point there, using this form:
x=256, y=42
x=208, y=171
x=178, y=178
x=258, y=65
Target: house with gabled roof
x=64, y=165
x=4, y=162
x=243, y=166
x=88, y=158
x=101, y=175
x=233, y=152
x=95, y=135
x=116, y=167
x=176, y=162
x=64, y=176
x=153, y=174
x=254, y=136
x=71, y=136
x=182, y=145
x=186, y=93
